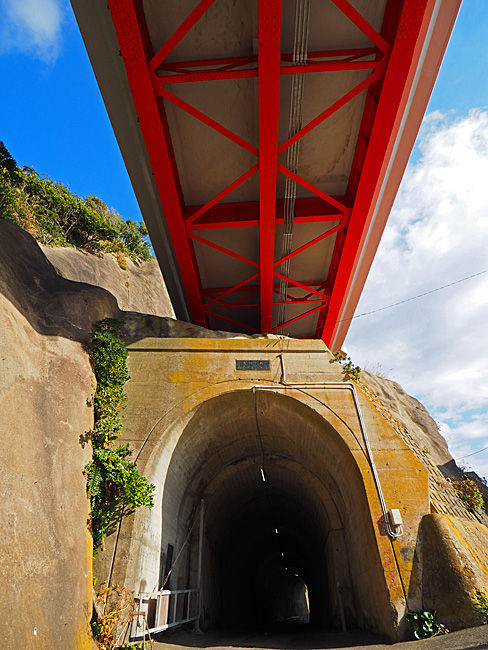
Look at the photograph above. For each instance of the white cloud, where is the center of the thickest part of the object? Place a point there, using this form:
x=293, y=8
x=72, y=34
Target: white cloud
x=32, y=27
x=436, y=346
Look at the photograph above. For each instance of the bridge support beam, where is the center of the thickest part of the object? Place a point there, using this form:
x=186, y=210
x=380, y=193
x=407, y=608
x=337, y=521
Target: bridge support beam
x=269, y=14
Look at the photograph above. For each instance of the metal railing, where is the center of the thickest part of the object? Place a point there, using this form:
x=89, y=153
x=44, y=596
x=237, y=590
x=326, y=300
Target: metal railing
x=161, y=610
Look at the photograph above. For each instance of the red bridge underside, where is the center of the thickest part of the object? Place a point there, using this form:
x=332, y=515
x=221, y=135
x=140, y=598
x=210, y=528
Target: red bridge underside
x=152, y=78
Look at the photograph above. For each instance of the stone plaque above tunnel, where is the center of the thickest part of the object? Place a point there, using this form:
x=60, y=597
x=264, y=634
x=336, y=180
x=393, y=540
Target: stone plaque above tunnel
x=252, y=364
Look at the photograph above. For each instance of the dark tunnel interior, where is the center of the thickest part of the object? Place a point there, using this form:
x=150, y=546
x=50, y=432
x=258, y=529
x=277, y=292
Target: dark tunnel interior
x=268, y=564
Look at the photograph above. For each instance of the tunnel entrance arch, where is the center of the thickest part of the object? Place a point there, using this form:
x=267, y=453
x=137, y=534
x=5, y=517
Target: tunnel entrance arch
x=288, y=535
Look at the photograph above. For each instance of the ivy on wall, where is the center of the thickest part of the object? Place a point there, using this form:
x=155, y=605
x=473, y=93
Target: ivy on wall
x=114, y=482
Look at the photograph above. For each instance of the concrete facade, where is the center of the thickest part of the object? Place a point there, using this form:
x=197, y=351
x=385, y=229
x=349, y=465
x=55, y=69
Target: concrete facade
x=203, y=430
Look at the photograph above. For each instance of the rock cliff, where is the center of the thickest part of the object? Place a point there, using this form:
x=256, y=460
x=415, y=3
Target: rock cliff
x=49, y=301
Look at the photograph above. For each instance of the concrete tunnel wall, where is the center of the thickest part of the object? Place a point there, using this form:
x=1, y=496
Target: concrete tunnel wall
x=313, y=494
x=191, y=420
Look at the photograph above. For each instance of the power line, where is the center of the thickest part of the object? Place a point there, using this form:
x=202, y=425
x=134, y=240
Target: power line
x=420, y=295
x=473, y=454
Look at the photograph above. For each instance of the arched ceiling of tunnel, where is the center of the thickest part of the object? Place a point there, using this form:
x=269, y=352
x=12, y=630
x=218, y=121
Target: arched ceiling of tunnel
x=229, y=439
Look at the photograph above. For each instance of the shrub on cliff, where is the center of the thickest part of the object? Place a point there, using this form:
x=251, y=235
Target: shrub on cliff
x=469, y=493
x=55, y=216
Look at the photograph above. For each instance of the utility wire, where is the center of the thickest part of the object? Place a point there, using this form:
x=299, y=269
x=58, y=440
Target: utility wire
x=472, y=454
x=420, y=295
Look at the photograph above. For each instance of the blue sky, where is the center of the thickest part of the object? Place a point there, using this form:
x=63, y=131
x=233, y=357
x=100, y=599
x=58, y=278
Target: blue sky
x=53, y=119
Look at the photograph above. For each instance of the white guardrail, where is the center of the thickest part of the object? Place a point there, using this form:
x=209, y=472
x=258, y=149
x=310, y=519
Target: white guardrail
x=161, y=610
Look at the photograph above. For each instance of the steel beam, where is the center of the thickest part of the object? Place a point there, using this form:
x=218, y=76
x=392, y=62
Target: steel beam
x=360, y=22
x=312, y=242
x=312, y=188
x=249, y=73
x=224, y=250
x=299, y=317
x=133, y=53
x=377, y=74
x=232, y=320
x=177, y=101
x=180, y=33
x=246, y=214
x=269, y=32
x=399, y=73
x=194, y=215
x=350, y=54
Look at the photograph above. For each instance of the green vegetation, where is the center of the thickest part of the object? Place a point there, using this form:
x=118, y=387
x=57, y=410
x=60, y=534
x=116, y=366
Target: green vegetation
x=116, y=607
x=113, y=478
x=469, y=493
x=349, y=370
x=481, y=605
x=55, y=216
x=425, y=624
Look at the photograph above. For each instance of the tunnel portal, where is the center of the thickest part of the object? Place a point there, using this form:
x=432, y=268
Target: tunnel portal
x=278, y=448
x=276, y=517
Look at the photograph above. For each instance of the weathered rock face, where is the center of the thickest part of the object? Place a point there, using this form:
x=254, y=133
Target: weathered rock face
x=412, y=415
x=454, y=557
x=137, y=288
x=46, y=387
x=419, y=431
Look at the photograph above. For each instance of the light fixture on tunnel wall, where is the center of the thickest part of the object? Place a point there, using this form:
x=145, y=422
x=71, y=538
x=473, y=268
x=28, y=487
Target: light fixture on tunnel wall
x=263, y=475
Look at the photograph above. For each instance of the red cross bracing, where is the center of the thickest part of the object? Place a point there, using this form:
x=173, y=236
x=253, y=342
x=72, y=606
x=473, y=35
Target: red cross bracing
x=265, y=140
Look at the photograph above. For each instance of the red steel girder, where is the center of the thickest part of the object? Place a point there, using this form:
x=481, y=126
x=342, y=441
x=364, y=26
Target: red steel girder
x=269, y=33
x=199, y=211
x=299, y=317
x=222, y=249
x=400, y=71
x=276, y=288
x=355, y=17
x=233, y=305
x=177, y=101
x=131, y=42
x=229, y=63
x=221, y=74
x=312, y=188
x=225, y=292
x=246, y=214
x=306, y=287
x=349, y=54
x=306, y=246
x=180, y=33
x=377, y=74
